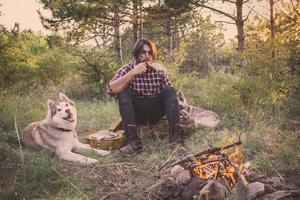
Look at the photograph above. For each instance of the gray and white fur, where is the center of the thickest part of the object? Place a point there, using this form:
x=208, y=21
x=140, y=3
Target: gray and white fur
x=57, y=134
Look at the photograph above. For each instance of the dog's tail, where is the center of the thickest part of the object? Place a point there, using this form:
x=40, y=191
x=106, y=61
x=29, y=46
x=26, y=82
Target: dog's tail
x=11, y=137
x=13, y=140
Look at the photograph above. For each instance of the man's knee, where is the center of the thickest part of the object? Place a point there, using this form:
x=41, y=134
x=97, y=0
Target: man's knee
x=124, y=97
x=170, y=93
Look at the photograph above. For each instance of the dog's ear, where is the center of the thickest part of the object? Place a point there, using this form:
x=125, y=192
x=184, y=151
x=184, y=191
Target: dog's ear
x=51, y=107
x=63, y=97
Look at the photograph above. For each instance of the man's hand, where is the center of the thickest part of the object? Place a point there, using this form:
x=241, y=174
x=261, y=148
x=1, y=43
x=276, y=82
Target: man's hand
x=140, y=68
x=121, y=83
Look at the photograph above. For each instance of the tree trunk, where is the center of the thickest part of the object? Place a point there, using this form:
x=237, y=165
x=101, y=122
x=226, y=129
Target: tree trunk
x=240, y=25
x=135, y=22
x=272, y=27
x=238, y=20
x=176, y=37
x=140, y=21
x=117, y=37
x=169, y=38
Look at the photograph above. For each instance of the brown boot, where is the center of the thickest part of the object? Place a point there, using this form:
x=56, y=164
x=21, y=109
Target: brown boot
x=176, y=135
x=134, y=143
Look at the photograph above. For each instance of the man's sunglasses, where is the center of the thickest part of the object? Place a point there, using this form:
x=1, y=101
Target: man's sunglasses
x=144, y=52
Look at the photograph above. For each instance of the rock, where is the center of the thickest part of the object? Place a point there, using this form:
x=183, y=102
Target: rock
x=213, y=190
x=183, y=177
x=165, y=189
x=290, y=186
x=282, y=194
x=253, y=176
x=192, y=188
x=241, y=190
x=254, y=189
x=275, y=182
x=180, y=175
x=176, y=170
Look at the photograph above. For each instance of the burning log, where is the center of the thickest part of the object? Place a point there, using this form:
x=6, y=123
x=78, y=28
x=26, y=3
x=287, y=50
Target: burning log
x=217, y=165
x=212, y=150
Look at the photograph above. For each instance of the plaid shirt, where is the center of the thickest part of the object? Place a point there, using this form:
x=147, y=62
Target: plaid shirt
x=146, y=84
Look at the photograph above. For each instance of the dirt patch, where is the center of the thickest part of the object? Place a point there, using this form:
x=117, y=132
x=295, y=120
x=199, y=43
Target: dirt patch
x=8, y=177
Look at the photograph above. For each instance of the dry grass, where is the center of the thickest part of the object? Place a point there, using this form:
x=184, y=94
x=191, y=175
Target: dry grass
x=43, y=176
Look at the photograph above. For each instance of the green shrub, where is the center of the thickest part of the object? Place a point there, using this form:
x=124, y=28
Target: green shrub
x=216, y=92
x=55, y=66
x=265, y=83
x=19, y=54
x=292, y=105
x=96, y=68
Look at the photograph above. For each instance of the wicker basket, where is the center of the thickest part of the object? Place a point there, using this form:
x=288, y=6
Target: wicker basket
x=106, y=139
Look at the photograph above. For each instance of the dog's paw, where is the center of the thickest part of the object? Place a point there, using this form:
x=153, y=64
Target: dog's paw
x=102, y=152
x=89, y=161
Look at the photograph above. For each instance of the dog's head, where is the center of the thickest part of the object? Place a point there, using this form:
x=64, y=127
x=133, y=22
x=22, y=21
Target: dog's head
x=182, y=102
x=62, y=114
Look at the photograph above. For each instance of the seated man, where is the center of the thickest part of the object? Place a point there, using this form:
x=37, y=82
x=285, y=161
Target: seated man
x=145, y=94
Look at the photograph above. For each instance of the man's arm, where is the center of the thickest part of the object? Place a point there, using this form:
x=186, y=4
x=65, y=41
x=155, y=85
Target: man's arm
x=121, y=83
x=165, y=80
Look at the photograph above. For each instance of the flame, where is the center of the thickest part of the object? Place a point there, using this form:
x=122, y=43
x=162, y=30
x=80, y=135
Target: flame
x=223, y=164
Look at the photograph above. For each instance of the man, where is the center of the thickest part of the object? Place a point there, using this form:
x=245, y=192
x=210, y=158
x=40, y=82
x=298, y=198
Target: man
x=145, y=95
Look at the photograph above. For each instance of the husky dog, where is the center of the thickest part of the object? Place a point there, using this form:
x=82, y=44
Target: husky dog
x=57, y=133
x=202, y=117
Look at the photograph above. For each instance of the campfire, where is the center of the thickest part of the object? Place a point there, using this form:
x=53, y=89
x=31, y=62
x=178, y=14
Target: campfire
x=221, y=164
x=216, y=163
x=217, y=173
x=205, y=172
x=213, y=174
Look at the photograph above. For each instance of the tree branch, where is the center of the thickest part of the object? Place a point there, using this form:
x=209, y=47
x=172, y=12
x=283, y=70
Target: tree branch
x=248, y=14
x=226, y=22
x=220, y=12
x=246, y=1
x=294, y=7
x=230, y=1
x=289, y=17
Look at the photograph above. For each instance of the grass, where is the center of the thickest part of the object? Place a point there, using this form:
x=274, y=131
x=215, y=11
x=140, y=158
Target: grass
x=96, y=115
x=43, y=176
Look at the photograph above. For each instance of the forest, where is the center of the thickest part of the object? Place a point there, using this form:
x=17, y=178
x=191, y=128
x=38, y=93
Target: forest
x=251, y=81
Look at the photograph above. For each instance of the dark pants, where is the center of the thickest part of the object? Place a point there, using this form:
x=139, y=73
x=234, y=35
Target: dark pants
x=146, y=110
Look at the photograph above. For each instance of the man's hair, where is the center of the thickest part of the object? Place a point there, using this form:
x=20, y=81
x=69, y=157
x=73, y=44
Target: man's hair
x=138, y=46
